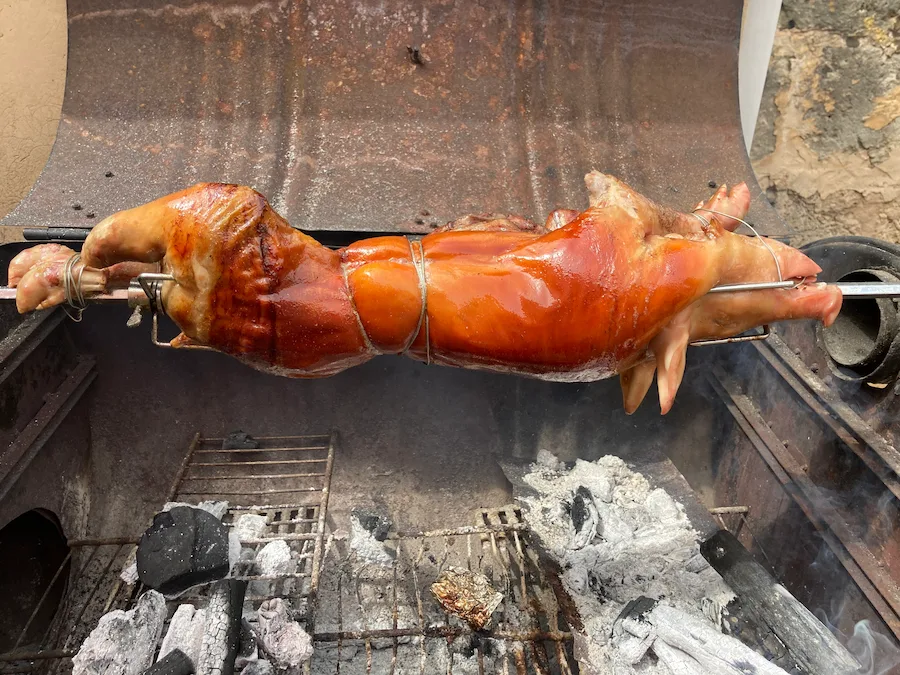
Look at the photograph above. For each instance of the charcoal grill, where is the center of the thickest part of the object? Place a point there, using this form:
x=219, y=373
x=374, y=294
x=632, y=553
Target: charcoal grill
x=321, y=107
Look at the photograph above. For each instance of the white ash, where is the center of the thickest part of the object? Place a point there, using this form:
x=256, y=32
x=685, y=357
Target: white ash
x=185, y=632
x=274, y=559
x=641, y=544
x=234, y=549
x=548, y=460
x=129, y=573
x=688, y=644
x=258, y=667
x=250, y=526
x=366, y=547
x=123, y=643
x=282, y=638
x=216, y=508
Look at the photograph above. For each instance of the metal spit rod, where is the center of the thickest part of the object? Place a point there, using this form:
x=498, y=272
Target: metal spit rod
x=117, y=296
x=854, y=289
x=849, y=289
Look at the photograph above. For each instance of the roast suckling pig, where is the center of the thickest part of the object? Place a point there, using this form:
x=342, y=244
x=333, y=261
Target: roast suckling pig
x=619, y=288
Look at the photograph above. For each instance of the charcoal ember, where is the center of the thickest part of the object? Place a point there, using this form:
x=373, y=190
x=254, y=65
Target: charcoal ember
x=247, y=652
x=282, y=638
x=182, y=548
x=250, y=526
x=663, y=506
x=548, y=460
x=216, y=508
x=222, y=632
x=185, y=632
x=239, y=440
x=274, y=559
x=129, y=569
x=234, y=550
x=176, y=662
x=468, y=595
x=368, y=534
x=123, y=643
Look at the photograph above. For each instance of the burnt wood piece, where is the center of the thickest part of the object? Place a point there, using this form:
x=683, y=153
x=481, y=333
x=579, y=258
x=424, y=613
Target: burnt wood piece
x=176, y=662
x=810, y=643
x=222, y=635
x=239, y=440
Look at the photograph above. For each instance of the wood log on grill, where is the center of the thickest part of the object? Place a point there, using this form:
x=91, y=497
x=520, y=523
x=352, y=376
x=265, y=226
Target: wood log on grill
x=810, y=643
x=222, y=635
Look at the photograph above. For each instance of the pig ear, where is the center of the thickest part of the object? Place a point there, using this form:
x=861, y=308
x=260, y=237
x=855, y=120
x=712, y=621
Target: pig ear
x=636, y=383
x=730, y=206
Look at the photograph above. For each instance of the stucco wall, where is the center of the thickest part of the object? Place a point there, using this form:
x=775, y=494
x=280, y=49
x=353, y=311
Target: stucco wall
x=827, y=142
x=32, y=80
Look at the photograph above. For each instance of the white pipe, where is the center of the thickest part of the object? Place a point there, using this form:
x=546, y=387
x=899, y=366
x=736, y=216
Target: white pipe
x=757, y=37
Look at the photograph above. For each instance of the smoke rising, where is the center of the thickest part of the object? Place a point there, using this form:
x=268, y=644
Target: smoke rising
x=876, y=653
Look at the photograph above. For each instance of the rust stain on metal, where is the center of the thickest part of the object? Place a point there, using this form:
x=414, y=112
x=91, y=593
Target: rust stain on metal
x=321, y=107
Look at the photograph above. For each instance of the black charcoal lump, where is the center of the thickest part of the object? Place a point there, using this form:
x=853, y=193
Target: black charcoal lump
x=184, y=546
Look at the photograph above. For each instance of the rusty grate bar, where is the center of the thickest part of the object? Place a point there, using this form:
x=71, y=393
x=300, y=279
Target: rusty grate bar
x=384, y=618
x=96, y=588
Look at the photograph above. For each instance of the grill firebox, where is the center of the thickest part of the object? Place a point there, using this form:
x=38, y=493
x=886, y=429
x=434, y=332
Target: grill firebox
x=350, y=604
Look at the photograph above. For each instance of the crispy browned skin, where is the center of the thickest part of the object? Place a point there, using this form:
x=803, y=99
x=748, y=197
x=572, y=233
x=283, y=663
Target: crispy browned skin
x=618, y=288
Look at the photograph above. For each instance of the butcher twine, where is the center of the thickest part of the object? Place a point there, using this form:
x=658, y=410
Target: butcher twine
x=71, y=278
x=752, y=229
x=419, y=262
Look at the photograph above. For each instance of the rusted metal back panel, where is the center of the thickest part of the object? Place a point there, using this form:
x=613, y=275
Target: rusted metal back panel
x=319, y=106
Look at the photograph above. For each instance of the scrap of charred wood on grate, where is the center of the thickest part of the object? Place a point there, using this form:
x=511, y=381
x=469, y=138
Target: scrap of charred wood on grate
x=176, y=662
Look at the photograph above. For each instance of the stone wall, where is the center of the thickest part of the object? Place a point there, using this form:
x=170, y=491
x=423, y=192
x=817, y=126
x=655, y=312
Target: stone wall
x=827, y=143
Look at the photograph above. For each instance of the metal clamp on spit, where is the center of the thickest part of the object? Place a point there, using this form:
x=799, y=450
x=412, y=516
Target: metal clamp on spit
x=145, y=293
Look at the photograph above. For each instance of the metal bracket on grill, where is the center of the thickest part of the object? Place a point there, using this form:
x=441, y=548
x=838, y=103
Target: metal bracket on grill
x=145, y=293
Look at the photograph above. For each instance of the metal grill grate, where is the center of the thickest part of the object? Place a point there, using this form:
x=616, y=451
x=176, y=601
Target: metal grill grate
x=292, y=472
x=296, y=469
x=380, y=617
